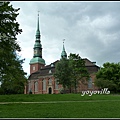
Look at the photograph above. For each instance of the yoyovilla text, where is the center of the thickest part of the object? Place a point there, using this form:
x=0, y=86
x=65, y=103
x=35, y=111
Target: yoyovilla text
x=90, y=93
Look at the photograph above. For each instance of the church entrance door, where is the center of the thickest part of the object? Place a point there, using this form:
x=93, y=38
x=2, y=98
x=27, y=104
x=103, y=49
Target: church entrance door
x=50, y=90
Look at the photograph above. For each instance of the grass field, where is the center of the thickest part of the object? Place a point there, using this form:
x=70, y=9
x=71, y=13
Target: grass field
x=59, y=106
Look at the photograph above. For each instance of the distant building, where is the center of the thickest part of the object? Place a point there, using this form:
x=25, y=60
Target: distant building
x=41, y=79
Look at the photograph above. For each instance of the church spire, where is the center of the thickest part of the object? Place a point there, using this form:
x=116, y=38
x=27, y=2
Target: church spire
x=38, y=22
x=37, y=45
x=63, y=54
x=37, y=55
x=38, y=31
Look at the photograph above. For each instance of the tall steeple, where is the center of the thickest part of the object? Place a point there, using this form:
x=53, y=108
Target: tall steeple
x=37, y=46
x=37, y=49
x=38, y=31
x=63, y=54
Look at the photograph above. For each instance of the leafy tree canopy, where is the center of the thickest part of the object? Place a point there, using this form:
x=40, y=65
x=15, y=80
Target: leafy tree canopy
x=62, y=72
x=11, y=71
x=109, y=76
x=70, y=71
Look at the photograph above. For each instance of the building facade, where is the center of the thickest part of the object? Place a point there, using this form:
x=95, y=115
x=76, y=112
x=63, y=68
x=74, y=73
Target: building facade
x=41, y=79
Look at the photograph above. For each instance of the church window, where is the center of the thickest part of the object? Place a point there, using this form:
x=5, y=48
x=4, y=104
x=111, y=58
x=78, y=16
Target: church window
x=36, y=86
x=29, y=86
x=44, y=84
x=52, y=65
x=33, y=67
x=56, y=84
x=50, y=71
x=90, y=83
x=50, y=81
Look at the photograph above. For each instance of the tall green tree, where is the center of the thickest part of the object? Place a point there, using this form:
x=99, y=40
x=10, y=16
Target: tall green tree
x=62, y=73
x=109, y=77
x=70, y=71
x=12, y=75
x=78, y=70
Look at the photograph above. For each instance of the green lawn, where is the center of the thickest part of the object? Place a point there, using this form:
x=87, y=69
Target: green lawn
x=60, y=106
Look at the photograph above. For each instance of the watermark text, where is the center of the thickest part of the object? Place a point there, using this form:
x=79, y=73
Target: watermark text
x=90, y=93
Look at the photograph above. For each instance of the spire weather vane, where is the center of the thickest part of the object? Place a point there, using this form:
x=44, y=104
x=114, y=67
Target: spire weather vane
x=38, y=13
x=63, y=41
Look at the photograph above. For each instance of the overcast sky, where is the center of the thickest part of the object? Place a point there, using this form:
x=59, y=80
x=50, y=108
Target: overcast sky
x=90, y=29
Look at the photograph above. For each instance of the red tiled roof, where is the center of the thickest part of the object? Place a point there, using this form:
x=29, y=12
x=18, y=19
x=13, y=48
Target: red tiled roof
x=91, y=67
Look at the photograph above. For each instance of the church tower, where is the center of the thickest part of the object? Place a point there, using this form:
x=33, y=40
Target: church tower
x=37, y=62
x=63, y=54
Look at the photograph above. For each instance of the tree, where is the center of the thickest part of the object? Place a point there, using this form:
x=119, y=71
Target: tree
x=12, y=76
x=109, y=77
x=70, y=71
x=62, y=73
x=78, y=70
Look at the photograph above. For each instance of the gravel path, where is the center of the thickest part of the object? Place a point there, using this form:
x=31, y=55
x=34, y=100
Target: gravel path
x=57, y=102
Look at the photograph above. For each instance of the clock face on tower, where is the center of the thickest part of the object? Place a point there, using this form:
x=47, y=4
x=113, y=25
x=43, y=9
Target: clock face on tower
x=40, y=52
x=35, y=51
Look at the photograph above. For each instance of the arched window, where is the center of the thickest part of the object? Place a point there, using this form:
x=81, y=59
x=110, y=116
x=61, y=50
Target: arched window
x=36, y=86
x=50, y=81
x=29, y=86
x=33, y=67
x=52, y=65
x=50, y=71
x=44, y=84
x=56, y=84
x=90, y=83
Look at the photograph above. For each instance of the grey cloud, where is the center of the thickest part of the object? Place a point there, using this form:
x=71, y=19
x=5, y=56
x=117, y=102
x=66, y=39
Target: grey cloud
x=91, y=29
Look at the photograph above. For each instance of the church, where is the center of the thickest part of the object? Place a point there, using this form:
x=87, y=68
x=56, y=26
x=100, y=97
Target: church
x=41, y=79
